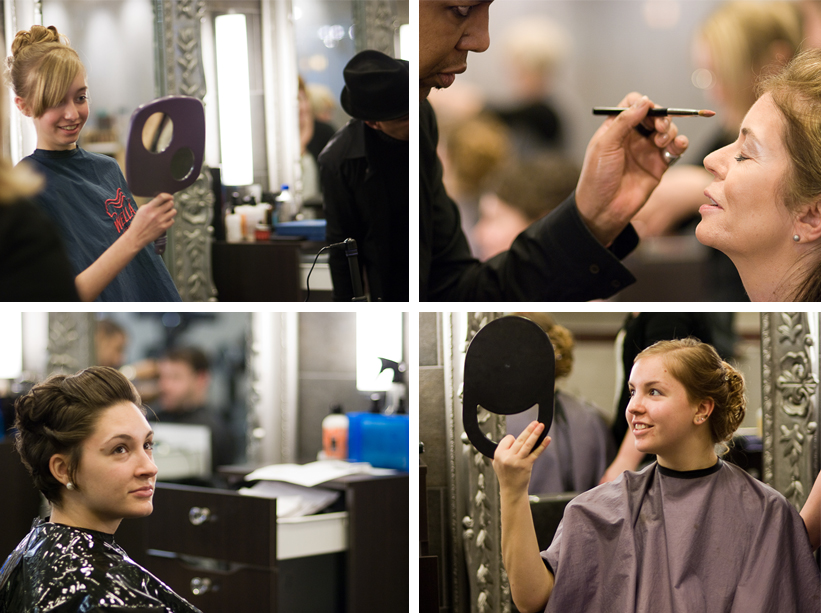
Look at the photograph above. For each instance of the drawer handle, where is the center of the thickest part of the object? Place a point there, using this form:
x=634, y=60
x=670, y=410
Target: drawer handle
x=200, y=585
x=199, y=515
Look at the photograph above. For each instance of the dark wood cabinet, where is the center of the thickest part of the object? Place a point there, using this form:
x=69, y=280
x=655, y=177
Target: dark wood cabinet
x=218, y=549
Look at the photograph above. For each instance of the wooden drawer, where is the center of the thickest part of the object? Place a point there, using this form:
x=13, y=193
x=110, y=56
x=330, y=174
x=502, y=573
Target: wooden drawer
x=214, y=524
x=244, y=589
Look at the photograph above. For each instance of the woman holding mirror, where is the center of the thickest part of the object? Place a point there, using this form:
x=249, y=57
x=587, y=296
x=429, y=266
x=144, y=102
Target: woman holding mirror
x=107, y=237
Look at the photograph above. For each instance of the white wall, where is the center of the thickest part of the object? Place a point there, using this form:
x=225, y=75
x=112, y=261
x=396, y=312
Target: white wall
x=115, y=41
x=614, y=51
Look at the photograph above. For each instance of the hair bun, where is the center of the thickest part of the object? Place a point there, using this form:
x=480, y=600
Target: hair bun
x=37, y=35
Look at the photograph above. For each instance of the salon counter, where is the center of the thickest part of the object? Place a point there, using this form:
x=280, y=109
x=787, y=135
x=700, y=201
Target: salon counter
x=270, y=271
x=224, y=551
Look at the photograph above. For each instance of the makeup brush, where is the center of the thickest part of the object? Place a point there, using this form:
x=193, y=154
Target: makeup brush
x=613, y=110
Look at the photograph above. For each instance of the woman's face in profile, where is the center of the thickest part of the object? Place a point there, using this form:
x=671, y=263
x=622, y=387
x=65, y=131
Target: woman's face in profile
x=745, y=213
x=116, y=474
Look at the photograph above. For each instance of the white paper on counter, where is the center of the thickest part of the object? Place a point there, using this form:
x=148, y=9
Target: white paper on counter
x=293, y=500
x=314, y=473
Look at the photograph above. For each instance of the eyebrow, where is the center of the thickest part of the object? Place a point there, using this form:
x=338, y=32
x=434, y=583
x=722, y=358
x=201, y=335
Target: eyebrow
x=646, y=383
x=749, y=134
x=127, y=437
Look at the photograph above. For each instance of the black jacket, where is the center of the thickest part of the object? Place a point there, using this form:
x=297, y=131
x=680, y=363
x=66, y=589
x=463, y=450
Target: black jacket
x=364, y=176
x=34, y=265
x=556, y=259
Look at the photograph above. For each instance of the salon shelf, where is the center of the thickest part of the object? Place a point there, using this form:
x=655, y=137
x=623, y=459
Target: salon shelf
x=300, y=537
x=270, y=271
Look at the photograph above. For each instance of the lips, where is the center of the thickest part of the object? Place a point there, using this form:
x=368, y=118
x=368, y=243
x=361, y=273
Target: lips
x=712, y=201
x=143, y=491
x=640, y=428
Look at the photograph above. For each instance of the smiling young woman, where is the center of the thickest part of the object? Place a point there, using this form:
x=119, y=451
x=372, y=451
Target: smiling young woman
x=108, y=239
x=688, y=533
x=88, y=447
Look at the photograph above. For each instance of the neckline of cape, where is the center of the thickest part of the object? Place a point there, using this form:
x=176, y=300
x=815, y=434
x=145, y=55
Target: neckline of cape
x=58, y=154
x=689, y=474
x=106, y=536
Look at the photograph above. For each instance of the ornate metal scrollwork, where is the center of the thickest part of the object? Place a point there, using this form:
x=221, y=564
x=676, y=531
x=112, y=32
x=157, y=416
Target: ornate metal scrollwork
x=790, y=374
x=70, y=342
x=375, y=24
x=481, y=537
x=181, y=72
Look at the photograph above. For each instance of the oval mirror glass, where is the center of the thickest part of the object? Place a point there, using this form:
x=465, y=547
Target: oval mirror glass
x=182, y=163
x=158, y=132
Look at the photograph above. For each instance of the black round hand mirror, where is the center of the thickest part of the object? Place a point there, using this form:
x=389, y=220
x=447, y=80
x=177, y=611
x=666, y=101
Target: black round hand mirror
x=509, y=367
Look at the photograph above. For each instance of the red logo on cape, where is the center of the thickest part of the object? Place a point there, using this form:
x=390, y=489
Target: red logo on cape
x=119, y=209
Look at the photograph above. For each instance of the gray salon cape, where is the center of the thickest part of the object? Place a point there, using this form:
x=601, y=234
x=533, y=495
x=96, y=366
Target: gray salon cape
x=661, y=541
x=580, y=449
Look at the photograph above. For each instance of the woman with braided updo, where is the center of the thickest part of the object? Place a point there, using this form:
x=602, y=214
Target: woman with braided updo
x=688, y=533
x=88, y=447
x=108, y=239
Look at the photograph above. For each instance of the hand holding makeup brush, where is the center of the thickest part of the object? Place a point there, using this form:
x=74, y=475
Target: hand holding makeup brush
x=621, y=167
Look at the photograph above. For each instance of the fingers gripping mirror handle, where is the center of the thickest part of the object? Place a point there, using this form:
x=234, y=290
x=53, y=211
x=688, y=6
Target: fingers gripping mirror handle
x=470, y=421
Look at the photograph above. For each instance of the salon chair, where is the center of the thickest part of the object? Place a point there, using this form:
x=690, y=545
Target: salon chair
x=17, y=487
x=547, y=513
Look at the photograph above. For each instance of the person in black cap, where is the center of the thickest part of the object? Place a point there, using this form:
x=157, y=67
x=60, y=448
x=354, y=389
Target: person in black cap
x=364, y=176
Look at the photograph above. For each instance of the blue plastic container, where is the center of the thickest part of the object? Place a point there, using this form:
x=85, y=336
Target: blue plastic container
x=381, y=440
x=312, y=229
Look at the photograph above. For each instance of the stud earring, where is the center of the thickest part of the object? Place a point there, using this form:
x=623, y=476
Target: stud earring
x=796, y=238
x=69, y=486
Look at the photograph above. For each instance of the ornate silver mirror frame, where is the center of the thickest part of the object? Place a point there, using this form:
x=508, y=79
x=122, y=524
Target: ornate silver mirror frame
x=790, y=347
x=791, y=352
x=179, y=71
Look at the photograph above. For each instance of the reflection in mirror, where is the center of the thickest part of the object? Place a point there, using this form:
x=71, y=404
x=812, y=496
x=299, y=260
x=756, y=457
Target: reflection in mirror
x=158, y=133
x=182, y=163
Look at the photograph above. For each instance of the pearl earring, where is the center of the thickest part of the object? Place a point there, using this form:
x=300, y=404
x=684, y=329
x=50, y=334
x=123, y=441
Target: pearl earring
x=796, y=238
x=69, y=486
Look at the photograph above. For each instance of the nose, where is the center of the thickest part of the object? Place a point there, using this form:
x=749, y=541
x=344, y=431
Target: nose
x=634, y=407
x=146, y=467
x=715, y=163
x=71, y=111
x=476, y=36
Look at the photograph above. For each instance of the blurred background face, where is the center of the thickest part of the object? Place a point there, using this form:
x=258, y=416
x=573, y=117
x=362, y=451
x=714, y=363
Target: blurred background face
x=498, y=226
x=811, y=12
x=111, y=349
x=180, y=386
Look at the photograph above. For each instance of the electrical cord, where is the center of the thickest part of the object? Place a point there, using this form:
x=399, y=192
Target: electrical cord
x=318, y=253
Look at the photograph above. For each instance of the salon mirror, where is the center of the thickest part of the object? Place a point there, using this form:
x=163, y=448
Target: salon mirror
x=509, y=367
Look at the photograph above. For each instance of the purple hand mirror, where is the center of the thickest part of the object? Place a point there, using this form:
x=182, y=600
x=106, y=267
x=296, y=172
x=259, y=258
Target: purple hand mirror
x=166, y=145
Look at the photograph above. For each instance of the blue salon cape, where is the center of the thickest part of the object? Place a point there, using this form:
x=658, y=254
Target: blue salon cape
x=87, y=197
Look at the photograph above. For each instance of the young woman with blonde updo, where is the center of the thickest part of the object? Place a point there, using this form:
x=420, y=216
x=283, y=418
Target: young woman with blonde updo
x=88, y=448
x=688, y=533
x=108, y=239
